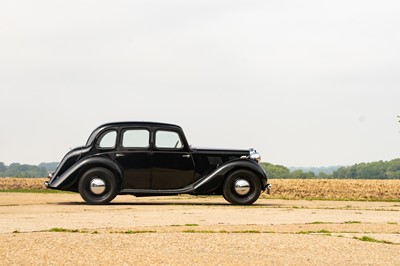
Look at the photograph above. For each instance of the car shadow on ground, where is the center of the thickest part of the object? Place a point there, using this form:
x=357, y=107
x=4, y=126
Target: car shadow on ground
x=173, y=203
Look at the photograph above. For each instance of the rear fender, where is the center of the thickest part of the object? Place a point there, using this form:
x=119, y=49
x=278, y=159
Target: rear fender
x=71, y=176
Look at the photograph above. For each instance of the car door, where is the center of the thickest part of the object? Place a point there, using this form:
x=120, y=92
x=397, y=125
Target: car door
x=173, y=165
x=135, y=157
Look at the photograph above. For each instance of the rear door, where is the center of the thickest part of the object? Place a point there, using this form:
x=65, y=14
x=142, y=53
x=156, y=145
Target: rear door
x=135, y=157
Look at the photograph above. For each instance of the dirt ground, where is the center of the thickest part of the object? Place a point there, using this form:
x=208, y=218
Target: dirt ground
x=55, y=229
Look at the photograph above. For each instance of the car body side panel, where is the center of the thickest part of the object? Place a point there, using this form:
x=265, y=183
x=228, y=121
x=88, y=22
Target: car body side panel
x=136, y=168
x=172, y=169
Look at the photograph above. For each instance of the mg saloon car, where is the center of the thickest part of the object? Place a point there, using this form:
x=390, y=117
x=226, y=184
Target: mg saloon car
x=155, y=159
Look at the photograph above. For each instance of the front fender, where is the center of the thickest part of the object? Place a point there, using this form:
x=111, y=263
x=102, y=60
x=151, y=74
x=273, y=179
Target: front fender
x=215, y=179
x=68, y=178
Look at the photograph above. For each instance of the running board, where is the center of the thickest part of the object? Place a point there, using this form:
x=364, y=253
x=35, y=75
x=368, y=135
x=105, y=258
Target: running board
x=155, y=192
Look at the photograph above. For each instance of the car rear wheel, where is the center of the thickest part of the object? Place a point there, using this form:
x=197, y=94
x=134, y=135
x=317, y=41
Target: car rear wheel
x=98, y=186
x=242, y=187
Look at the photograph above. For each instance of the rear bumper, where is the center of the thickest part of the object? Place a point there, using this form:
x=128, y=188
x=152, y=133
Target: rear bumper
x=47, y=183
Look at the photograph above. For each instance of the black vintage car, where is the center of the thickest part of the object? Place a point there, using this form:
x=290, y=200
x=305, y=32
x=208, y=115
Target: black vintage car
x=153, y=159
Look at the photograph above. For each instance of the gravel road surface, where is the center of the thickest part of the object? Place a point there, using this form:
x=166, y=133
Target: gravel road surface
x=61, y=229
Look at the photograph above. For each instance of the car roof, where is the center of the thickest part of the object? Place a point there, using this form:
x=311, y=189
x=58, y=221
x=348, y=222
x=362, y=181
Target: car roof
x=127, y=124
x=138, y=123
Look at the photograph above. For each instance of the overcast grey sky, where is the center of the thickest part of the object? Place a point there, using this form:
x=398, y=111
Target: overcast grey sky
x=306, y=83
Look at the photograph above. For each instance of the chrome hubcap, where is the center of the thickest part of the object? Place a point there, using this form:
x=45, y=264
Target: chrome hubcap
x=242, y=187
x=97, y=186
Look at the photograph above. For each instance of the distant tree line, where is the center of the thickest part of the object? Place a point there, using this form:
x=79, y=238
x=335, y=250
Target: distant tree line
x=280, y=171
x=22, y=170
x=26, y=170
x=374, y=170
x=51, y=167
x=317, y=170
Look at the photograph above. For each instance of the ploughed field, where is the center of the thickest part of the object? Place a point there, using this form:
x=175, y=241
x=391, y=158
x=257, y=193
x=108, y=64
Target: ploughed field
x=279, y=229
x=323, y=189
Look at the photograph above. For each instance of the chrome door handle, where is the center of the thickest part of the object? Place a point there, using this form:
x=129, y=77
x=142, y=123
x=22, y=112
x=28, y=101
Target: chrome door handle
x=119, y=155
x=186, y=156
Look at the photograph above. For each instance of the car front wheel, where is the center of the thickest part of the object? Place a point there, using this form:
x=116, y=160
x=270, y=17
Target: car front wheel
x=242, y=187
x=98, y=186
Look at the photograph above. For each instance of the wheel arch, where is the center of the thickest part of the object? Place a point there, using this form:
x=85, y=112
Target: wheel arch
x=239, y=169
x=112, y=167
x=215, y=180
x=249, y=167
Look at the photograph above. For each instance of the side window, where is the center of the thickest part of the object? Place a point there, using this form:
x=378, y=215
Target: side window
x=168, y=140
x=136, y=138
x=107, y=141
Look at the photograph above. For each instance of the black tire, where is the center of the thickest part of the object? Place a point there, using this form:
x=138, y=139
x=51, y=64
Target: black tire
x=232, y=196
x=107, y=177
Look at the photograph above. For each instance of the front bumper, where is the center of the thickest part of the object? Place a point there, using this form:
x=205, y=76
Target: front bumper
x=268, y=188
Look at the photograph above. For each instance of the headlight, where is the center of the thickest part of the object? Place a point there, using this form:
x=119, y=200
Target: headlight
x=254, y=155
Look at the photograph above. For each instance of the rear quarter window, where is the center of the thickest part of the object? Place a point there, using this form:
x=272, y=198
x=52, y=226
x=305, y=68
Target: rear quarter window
x=107, y=140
